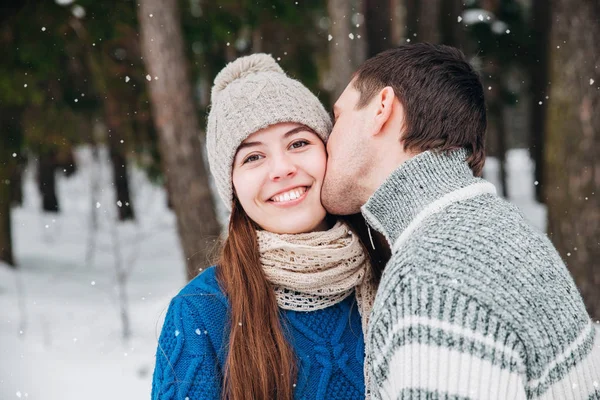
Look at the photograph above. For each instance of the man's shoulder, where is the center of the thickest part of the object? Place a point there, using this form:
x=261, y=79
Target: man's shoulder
x=487, y=225
x=485, y=250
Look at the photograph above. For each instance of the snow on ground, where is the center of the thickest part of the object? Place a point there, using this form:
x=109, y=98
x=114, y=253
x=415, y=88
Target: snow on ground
x=60, y=327
x=62, y=338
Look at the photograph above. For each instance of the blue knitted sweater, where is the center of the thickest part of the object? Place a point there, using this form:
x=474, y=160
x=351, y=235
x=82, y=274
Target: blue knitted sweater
x=192, y=347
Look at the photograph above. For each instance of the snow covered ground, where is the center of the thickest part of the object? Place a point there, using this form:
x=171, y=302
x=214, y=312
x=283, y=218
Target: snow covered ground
x=60, y=326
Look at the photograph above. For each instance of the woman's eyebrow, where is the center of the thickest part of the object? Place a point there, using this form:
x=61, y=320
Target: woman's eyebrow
x=296, y=130
x=243, y=145
x=289, y=133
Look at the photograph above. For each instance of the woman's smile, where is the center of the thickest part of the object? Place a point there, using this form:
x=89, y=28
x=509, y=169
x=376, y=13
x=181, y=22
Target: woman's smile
x=290, y=197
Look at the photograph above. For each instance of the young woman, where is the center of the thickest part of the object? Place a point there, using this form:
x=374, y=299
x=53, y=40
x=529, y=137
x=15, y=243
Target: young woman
x=282, y=314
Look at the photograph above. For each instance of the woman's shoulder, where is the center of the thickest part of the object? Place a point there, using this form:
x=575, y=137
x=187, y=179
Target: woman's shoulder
x=203, y=290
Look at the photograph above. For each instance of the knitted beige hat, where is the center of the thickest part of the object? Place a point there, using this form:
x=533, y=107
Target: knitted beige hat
x=249, y=94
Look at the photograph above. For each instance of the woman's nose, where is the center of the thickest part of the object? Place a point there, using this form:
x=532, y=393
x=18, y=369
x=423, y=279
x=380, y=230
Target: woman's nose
x=282, y=167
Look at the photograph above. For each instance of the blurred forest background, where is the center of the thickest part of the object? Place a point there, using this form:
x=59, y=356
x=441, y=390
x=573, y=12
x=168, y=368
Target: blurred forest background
x=134, y=77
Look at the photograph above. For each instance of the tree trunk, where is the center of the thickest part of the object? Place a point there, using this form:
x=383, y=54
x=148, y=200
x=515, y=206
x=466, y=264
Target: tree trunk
x=340, y=50
x=10, y=137
x=46, y=178
x=573, y=143
x=379, y=30
x=452, y=33
x=398, y=29
x=538, y=72
x=6, y=253
x=176, y=121
x=412, y=19
x=16, y=181
x=429, y=21
x=499, y=114
x=360, y=45
x=114, y=120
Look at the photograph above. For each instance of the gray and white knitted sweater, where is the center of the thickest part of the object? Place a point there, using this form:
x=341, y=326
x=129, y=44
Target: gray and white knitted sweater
x=474, y=303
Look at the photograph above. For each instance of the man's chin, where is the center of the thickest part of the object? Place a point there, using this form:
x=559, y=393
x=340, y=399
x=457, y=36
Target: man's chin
x=340, y=204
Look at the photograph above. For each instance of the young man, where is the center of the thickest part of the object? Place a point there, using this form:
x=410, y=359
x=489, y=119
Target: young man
x=474, y=303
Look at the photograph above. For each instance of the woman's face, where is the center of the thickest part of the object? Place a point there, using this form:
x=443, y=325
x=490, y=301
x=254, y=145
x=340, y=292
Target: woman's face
x=277, y=177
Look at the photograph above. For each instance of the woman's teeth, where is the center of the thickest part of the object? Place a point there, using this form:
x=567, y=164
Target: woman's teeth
x=289, y=195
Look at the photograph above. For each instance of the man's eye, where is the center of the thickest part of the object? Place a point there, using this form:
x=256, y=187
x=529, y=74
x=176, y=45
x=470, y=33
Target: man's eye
x=298, y=144
x=251, y=158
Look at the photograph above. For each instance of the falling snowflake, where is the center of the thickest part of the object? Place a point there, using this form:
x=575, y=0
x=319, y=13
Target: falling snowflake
x=591, y=81
x=43, y=29
x=459, y=19
x=177, y=333
x=480, y=17
x=329, y=38
x=198, y=331
x=25, y=85
x=148, y=78
x=98, y=204
x=78, y=11
x=351, y=36
x=119, y=203
x=127, y=79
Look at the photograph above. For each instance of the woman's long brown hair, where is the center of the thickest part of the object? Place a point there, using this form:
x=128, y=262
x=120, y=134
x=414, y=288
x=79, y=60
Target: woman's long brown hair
x=261, y=363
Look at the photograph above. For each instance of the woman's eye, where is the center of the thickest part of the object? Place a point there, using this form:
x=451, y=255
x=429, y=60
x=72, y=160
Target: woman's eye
x=298, y=144
x=251, y=158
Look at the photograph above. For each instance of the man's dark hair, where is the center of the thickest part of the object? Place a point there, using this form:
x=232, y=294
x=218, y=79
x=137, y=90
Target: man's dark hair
x=441, y=94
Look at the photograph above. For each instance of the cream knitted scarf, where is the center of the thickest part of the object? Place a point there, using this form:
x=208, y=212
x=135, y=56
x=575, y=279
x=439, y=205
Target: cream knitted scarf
x=312, y=271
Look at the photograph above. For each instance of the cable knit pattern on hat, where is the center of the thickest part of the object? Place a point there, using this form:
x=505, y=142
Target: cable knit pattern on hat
x=474, y=302
x=249, y=94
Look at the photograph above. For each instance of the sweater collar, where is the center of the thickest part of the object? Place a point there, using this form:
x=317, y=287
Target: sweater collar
x=412, y=187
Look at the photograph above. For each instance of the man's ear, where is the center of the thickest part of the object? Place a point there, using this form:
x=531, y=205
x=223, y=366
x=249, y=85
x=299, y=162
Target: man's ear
x=384, y=102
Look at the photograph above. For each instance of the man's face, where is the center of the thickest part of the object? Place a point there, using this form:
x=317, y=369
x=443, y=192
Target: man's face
x=349, y=153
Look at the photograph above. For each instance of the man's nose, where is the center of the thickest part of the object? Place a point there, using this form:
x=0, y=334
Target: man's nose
x=282, y=166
